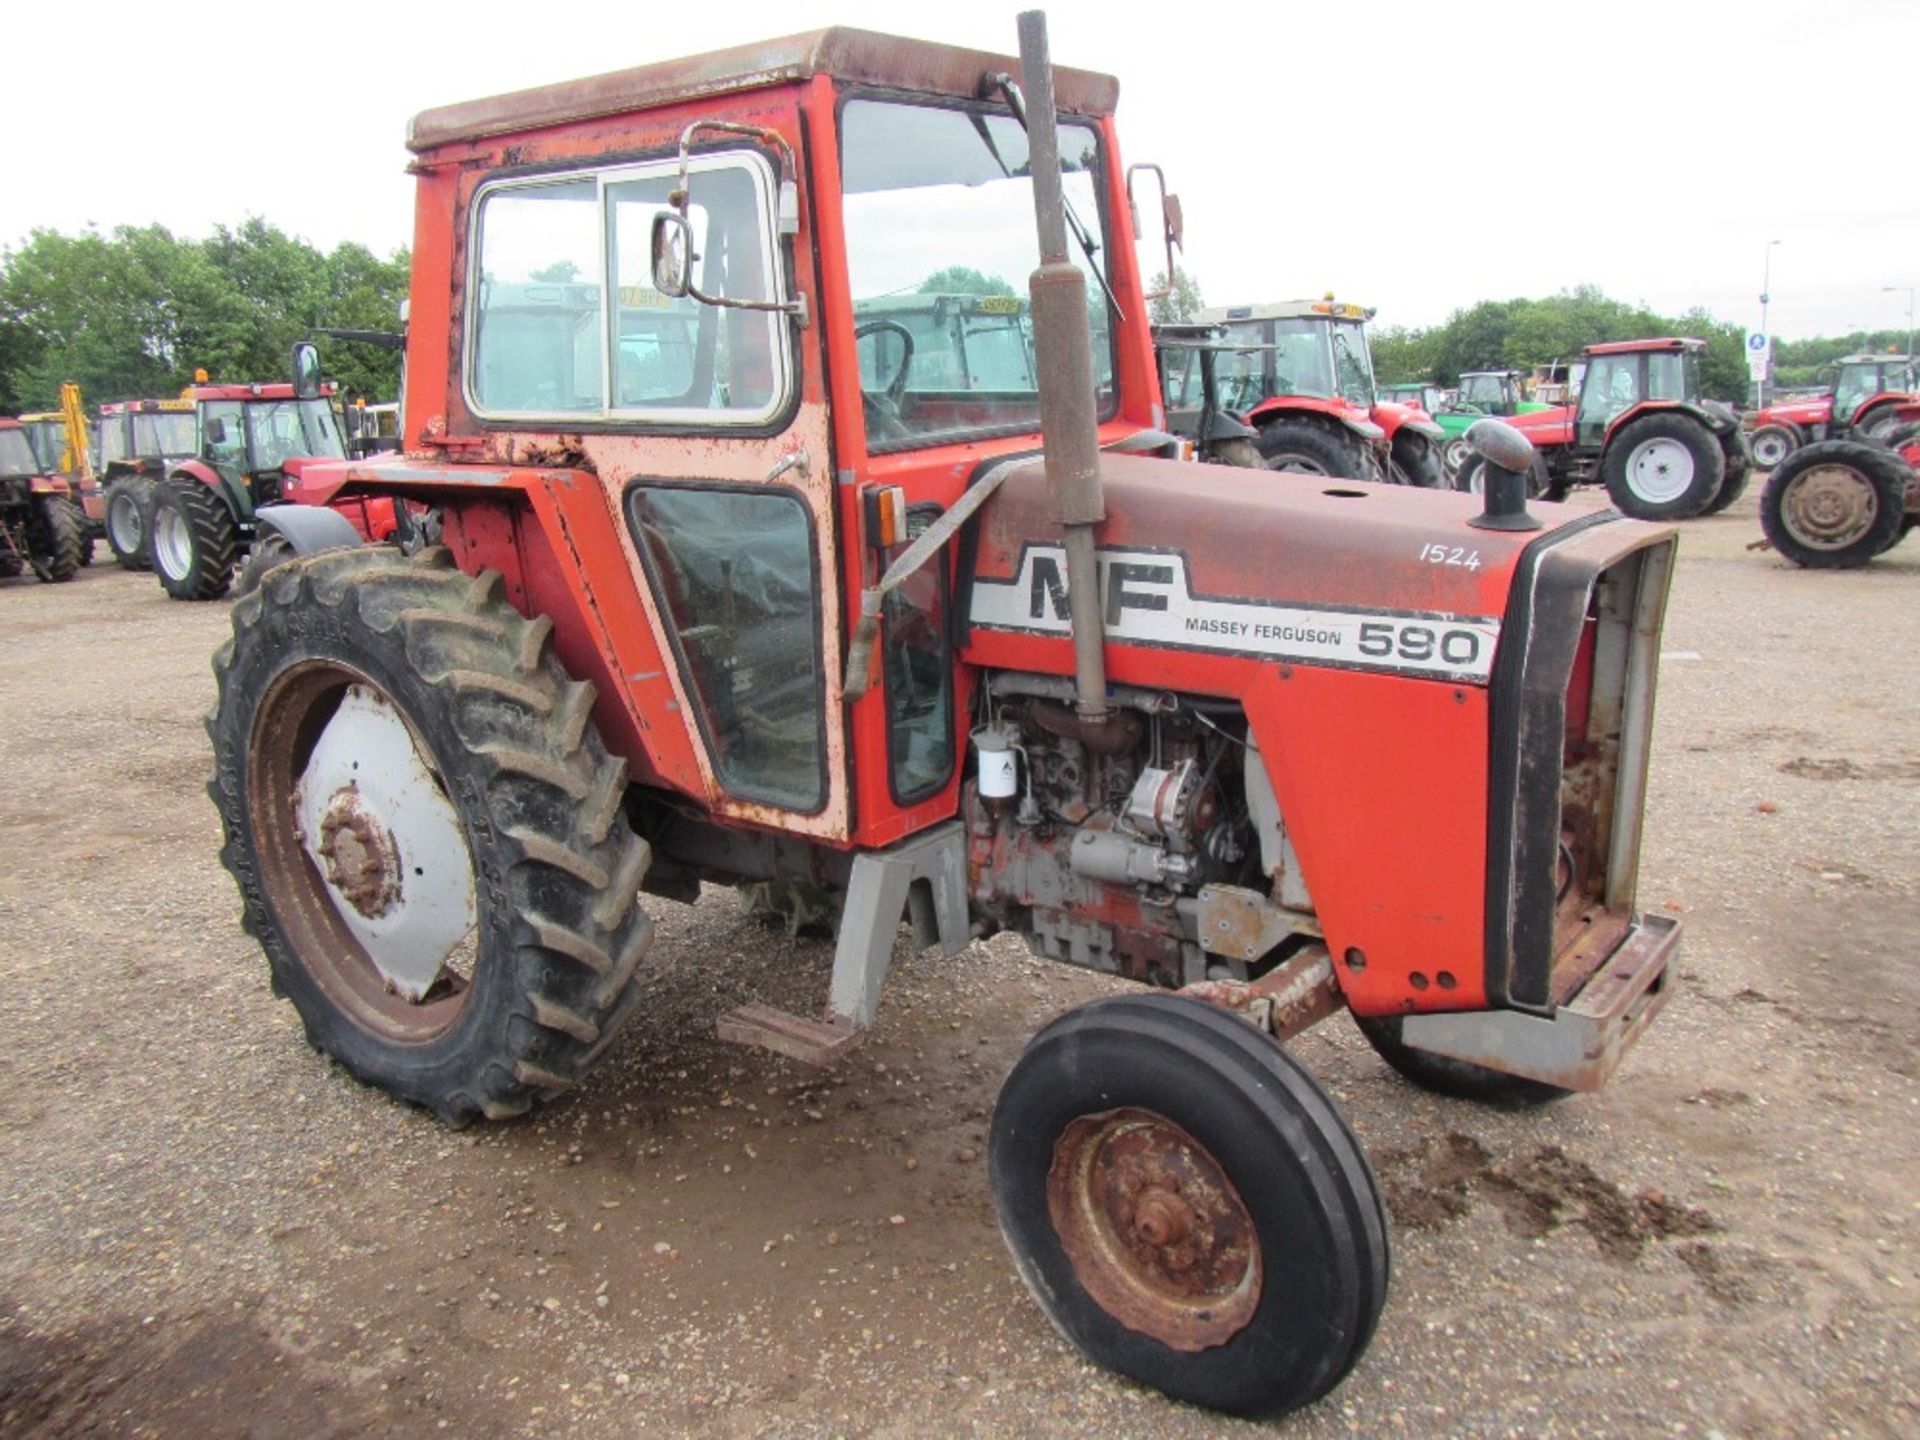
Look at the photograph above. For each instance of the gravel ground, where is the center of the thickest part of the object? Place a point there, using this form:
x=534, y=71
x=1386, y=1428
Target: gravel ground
x=207, y=1230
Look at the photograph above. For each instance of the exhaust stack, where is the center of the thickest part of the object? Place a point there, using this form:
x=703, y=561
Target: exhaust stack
x=1064, y=351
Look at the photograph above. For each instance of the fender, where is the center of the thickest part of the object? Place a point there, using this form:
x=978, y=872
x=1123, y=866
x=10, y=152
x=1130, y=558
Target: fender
x=48, y=485
x=235, y=497
x=1718, y=424
x=1279, y=406
x=1875, y=406
x=306, y=528
x=1392, y=418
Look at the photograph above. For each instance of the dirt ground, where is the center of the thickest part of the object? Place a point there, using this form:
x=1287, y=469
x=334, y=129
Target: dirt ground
x=206, y=1230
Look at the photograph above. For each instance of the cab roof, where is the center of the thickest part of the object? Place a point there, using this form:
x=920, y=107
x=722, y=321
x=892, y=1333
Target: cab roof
x=856, y=56
x=1870, y=359
x=1622, y=347
x=1287, y=310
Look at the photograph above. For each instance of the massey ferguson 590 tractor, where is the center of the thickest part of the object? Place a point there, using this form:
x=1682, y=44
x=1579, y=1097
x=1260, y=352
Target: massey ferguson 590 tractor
x=984, y=658
x=1640, y=427
x=1867, y=391
x=1308, y=389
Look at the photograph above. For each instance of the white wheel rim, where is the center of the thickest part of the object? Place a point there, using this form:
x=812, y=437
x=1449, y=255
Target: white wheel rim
x=124, y=521
x=1829, y=507
x=1457, y=454
x=1296, y=464
x=1769, y=450
x=386, y=842
x=1660, y=470
x=172, y=543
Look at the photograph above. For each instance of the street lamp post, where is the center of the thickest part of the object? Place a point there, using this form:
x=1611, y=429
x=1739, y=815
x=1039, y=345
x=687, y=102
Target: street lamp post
x=1766, y=297
x=1908, y=290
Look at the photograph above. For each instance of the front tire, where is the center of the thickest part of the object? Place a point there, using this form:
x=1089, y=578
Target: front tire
x=1772, y=444
x=1187, y=1205
x=1663, y=467
x=1444, y=1075
x=53, y=539
x=468, y=788
x=194, y=541
x=1417, y=462
x=1835, y=504
x=129, y=518
x=270, y=550
x=1305, y=448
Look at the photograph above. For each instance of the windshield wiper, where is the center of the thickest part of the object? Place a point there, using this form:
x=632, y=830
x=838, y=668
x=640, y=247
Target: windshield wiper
x=1009, y=90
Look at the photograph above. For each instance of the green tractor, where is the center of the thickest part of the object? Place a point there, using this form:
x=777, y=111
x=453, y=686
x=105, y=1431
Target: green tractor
x=1481, y=393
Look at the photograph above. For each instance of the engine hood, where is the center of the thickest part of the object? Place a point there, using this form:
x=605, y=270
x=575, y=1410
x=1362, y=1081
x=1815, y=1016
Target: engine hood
x=1252, y=565
x=1552, y=418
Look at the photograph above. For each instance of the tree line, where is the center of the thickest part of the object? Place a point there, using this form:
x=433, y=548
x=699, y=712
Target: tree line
x=133, y=313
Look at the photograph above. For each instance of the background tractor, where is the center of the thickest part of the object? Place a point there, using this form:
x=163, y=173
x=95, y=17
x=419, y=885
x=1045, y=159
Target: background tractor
x=1862, y=400
x=1835, y=504
x=990, y=659
x=1308, y=389
x=40, y=528
x=63, y=446
x=139, y=442
x=1189, y=356
x=1640, y=427
x=1480, y=393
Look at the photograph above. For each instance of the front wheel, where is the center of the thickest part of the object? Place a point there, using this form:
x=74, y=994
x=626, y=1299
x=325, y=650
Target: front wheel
x=270, y=550
x=53, y=538
x=1187, y=1205
x=195, y=540
x=1456, y=454
x=1445, y=1075
x=1836, y=504
x=1416, y=461
x=426, y=831
x=1306, y=448
x=1663, y=467
x=1772, y=444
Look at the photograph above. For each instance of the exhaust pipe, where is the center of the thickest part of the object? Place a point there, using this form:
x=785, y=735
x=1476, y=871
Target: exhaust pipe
x=1063, y=347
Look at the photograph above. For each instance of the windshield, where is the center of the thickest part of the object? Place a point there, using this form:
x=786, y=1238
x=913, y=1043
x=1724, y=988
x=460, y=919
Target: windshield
x=163, y=432
x=49, y=441
x=284, y=429
x=1301, y=362
x=16, y=455
x=938, y=203
x=1485, y=391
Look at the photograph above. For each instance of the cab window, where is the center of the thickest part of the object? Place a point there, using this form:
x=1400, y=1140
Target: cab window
x=919, y=673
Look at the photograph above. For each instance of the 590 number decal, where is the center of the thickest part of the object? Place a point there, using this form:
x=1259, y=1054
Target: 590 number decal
x=1419, y=644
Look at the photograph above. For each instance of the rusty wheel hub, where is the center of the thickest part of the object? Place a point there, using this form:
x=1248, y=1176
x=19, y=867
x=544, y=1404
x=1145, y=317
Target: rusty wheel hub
x=1154, y=1229
x=1830, y=506
x=362, y=861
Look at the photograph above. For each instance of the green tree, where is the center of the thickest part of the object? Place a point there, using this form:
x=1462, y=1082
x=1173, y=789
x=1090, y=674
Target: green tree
x=964, y=280
x=1181, y=302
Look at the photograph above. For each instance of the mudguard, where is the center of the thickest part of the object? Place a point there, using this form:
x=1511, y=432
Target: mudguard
x=1393, y=418
x=236, y=497
x=48, y=485
x=1278, y=406
x=306, y=528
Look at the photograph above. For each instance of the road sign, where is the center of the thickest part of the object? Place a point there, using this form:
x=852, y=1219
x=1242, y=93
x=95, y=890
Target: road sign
x=1759, y=353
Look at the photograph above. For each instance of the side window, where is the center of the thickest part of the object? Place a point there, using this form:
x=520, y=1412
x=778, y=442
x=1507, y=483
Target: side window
x=565, y=321
x=223, y=435
x=733, y=573
x=1666, y=376
x=919, y=674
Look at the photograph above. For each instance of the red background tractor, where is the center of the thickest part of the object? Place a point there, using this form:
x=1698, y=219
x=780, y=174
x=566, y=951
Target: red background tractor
x=1863, y=400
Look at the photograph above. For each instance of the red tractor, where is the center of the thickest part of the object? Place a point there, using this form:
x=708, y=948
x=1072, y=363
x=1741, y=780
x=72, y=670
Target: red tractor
x=749, y=610
x=40, y=527
x=1305, y=383
x=140, y=440
x=1863, y=400
x=1836, y=504
x=1640, y=427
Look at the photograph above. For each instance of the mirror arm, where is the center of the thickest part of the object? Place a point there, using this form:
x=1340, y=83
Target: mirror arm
x=787, y=220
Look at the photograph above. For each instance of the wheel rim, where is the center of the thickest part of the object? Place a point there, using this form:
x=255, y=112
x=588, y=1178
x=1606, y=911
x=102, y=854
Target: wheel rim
x=1457, y=453
x=172, y=543
x=123, y=524
x=1154, y=1230
x=1296, y=462
x=1769, y=450
x=362, y=855
x=1660, y=470
x=1829, y=507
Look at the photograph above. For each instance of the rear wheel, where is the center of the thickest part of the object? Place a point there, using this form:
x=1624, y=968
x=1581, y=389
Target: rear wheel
x=1306, y=448
x=129, y=514
x=1240, y=453
x=1457, y=453
x=194, y=542
x=270, y=550
x=1445, y=1075
x=86, y=534
x=1187, y=1206
x=1772, y=444
x=1416, y=461
x=1878, y=424
x=1471, y=479
x=1731, y=488
x=53, y=538
x=1836, y=504
x=1663, y=467
x=427, y=831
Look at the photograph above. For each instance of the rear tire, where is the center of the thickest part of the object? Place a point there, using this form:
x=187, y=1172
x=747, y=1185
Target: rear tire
x=1663, y=466
x=53, y=539
x=1731, y=488
x=86, y=534
x=1187, y=1205
x=1417, y=461
x=535, y=802
x=194, y=541
x=1445, y=1075
x=1302, y=447
x=1835, y=504
x=130, y=521
x=270, y=550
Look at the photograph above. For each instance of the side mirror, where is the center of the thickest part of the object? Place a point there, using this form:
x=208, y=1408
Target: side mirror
x=306, y=371
x=1172, y=224
x=672, y=254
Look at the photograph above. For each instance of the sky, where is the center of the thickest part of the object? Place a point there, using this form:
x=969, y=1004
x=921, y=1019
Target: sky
x=1413, y=157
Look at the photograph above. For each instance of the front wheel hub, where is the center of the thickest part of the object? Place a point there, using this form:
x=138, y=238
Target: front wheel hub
x=386, y=842
x=1155, y=1231
x=1830, y=506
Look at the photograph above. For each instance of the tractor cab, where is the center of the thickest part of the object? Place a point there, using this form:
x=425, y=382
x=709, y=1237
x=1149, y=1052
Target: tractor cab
x=1490, y=392
x=1309, y=389
x=1622, y=376
x=1863, y=397
x=248, y=433
x=1864, y=382
x=40, y=527
x=1209, y=381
